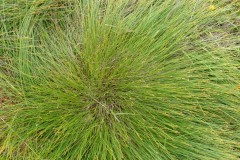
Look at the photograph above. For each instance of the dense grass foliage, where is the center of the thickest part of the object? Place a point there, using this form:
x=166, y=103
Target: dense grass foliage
x=119, y=79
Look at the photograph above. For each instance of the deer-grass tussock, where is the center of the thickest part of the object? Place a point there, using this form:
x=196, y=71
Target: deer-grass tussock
x=115, y=79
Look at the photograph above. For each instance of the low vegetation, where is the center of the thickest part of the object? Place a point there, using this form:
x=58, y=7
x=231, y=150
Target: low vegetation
x=113, y=79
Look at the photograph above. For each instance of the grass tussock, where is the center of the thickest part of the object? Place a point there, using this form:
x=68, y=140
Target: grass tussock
x=112, y=79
